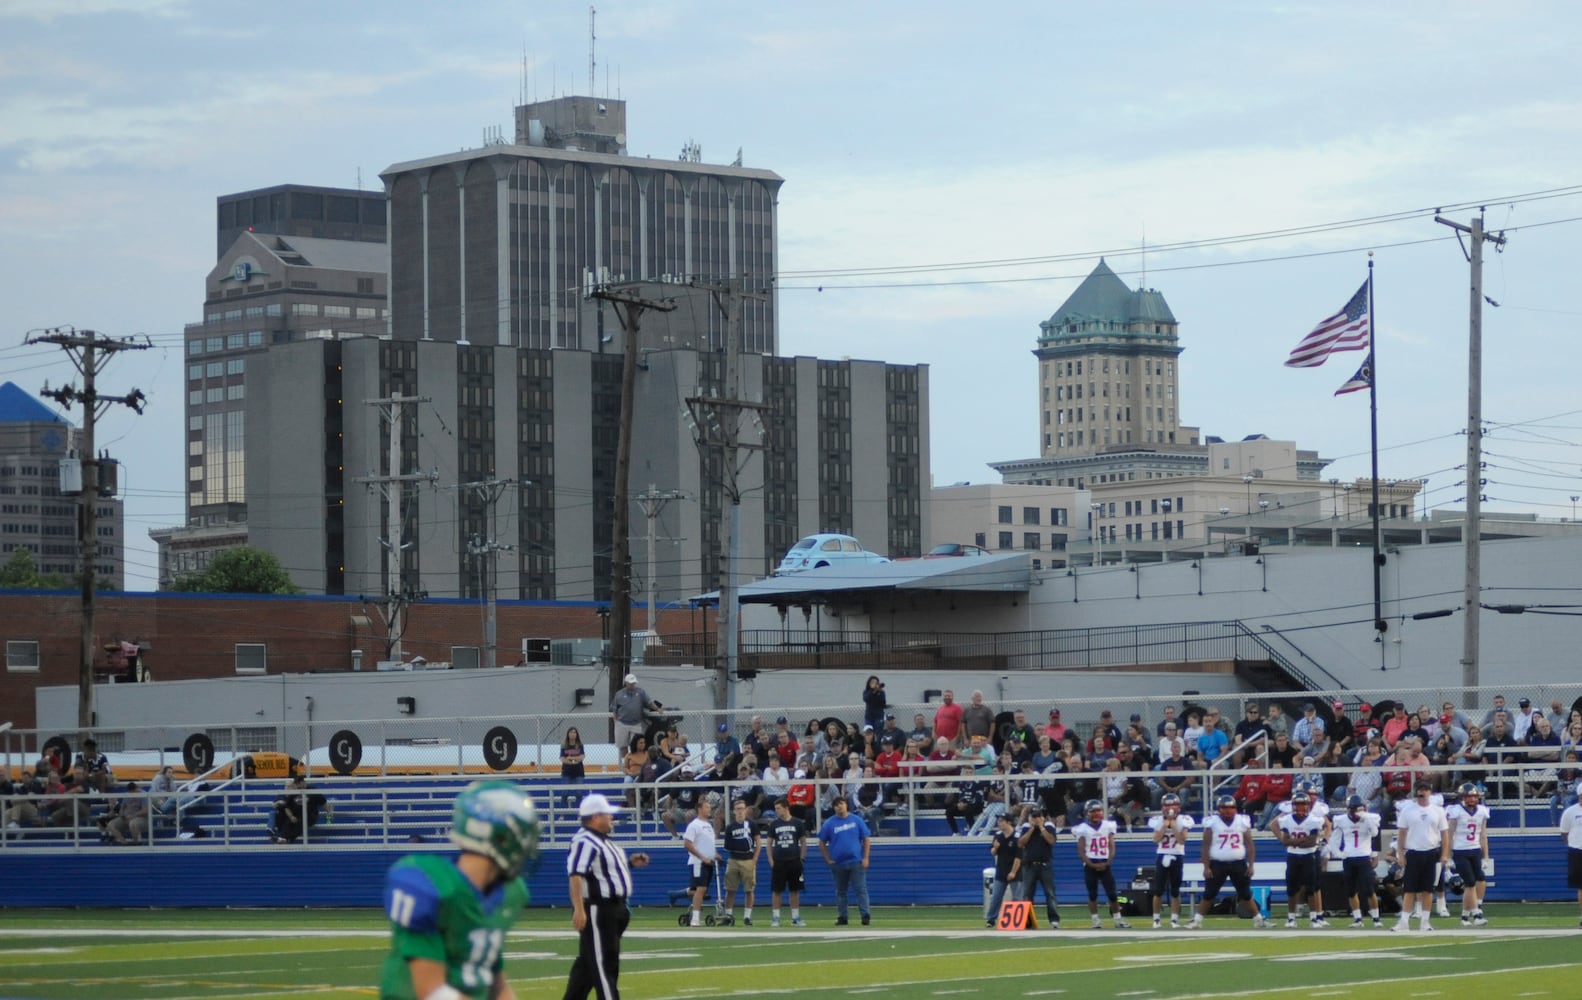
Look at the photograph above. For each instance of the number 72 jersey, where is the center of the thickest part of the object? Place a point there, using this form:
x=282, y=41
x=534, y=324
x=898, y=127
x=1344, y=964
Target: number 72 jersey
x=1227, y=841
x=437, y=914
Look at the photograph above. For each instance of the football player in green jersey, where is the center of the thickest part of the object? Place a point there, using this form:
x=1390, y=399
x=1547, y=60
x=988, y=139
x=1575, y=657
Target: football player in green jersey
x=449, y=915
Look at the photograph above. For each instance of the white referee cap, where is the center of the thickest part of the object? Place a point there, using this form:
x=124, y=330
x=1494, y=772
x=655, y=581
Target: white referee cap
x=595, y=804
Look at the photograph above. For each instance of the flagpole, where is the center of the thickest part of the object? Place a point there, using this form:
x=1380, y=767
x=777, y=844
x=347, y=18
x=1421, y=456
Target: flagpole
x=1380, y=626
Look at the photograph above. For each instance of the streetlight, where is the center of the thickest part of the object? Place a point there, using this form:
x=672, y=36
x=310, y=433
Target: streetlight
x=1247, y=482
x=1334, y=499
x=1574, y=500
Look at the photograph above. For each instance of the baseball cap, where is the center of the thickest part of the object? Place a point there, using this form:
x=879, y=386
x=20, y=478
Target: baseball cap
x=889, y=716
x=724, y=728
x=595, y=804
x=1525, y=703
x=1423, y=784
x=1136, y=717
x=867, y=727
x=631, y=678
x=780, y=721
x=1364, y=708
x=1444, y=720
x=1339, y=705
x=1054, y=713
x=688, y=769
x=1310, y=707
x=1105, y=714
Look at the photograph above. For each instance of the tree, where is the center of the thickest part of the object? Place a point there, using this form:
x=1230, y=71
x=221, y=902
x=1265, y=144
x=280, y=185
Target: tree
x=20, y=572
x=242, y=570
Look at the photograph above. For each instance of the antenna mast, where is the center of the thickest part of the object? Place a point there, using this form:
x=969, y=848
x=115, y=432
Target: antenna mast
x=591, y=39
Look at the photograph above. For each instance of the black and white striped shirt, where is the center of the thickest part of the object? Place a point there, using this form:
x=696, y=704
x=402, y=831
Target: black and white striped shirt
x=602, y=865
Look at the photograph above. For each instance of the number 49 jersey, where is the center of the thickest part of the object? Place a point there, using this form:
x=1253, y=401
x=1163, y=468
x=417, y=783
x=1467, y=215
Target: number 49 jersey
x=1227, y=841
x=436, y=913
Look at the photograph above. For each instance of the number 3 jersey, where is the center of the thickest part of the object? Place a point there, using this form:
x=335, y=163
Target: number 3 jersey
x=1466, y=828
x=436, y=913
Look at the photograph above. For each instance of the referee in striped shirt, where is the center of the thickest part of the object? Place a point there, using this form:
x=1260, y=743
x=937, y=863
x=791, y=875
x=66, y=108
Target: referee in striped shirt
x=601, y=881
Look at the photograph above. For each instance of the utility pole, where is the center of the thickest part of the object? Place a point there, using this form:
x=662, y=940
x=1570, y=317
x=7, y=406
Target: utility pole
x=392, y=487
x=654, y=503
x=718, y=423
x=90, y=353
x=629, y=307
x=1472, y=529
x=488, y=492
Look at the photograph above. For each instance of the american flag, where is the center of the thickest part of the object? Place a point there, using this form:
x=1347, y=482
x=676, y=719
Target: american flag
x=1362, y=380
x=1347, y=330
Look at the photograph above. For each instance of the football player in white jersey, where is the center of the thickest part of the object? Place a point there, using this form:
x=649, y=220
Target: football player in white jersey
x=1096, y=847
x=1302, y=832
x=1469, y=850
x=1171, y=828
x=1352, y=842
x=1228, y=853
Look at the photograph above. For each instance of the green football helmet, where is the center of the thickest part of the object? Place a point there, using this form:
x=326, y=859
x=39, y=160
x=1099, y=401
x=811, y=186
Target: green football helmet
x=493, y=818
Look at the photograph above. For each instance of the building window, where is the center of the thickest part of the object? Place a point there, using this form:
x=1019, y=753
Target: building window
x=1005, y=515
x=981, y=539
x=1057, y=516
x=251, y=658
x=1032, y=540
x=1005, y=540
x=465, y=658
x=21, y=656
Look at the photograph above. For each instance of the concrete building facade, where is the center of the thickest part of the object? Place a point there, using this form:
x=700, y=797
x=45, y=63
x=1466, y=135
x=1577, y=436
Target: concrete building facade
x=1042, y=520
x=34, y=515
x=844, y=448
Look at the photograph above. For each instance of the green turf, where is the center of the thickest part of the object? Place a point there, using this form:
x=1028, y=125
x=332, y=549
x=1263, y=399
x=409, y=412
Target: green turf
x=908, y=953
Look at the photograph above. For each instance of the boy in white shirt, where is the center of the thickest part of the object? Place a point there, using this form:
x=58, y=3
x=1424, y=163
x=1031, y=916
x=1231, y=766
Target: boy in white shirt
x=1096, y=847
x=1228, y=853
x=1170, y=829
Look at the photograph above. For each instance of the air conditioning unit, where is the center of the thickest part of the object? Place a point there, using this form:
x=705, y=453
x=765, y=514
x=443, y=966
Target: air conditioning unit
x=536, y=651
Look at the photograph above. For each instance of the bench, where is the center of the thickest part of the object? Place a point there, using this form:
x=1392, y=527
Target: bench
x=1269, y=873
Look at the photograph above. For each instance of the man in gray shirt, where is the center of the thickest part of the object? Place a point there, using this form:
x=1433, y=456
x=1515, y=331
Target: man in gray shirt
x=627, y=708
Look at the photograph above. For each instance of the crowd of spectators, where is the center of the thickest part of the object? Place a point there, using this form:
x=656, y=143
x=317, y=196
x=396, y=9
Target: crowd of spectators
x=973, y=764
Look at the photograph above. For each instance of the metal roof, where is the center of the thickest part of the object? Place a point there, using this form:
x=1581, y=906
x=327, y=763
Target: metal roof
x=17, y=406
x=1010, y=572
x=1104, y=296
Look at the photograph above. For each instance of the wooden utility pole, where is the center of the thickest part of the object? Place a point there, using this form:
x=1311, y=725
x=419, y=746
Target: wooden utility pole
x=1472, y=529
x=718, y=421
x=487, y=552
x=629, y=308
x=89, y=352
x=392, y=487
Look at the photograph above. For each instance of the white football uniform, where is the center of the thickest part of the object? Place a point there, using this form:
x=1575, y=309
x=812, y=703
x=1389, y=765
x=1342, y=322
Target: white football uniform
x=1310, y=824
x=1175, y=841
x=1466, y=828
x=1227, y=841
x=1353, y=838
x=1097, y=843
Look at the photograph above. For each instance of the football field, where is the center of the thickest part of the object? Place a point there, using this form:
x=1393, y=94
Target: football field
x=907, y=954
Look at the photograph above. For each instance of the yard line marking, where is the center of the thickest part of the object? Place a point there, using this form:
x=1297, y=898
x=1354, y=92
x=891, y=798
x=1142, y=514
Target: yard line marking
x=1263, y=991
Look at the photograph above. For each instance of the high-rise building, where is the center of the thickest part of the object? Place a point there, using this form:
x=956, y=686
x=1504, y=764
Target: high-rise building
x=844, y=448
x=497, y=246
x=33, y=513
x=300, y=210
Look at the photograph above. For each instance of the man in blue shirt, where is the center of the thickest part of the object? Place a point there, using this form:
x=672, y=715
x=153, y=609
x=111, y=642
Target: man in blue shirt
x=844, y=839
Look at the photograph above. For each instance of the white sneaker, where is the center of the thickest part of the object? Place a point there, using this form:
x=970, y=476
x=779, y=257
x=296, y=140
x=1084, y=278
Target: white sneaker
x=1356, y=923
x=1097, y=923
x=1443, y=911
x=1196, y=923
x=1290, y=921
x=1318, y=921
x=1260, y=922
x=1479, y=920
x=1157, y=923
x=798, y=922
x=774, y=921
x=1175, y=924
x=1122, y=925
x=1425, y=926
x=1401, y=925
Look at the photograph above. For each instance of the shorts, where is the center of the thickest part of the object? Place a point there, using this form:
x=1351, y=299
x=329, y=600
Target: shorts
x=701, y=876
x=1301, y=874
x=1574, y=869
x=787, y=875
x=1358, y=876
x=741, y=872
x=1469, y=865
x=1219, y=871
x=1421, y=871
x=1167, y=880
x=1095, y=877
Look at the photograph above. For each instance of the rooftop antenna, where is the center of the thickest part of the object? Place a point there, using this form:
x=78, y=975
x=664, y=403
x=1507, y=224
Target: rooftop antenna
x=1144, y=286
x=591, y=39
x=521, y=79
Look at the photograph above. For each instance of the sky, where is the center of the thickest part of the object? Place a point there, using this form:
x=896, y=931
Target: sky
x=951, y=173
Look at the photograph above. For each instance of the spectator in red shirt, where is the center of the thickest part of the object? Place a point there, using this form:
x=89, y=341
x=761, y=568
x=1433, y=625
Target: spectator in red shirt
x=947, y=718
x=1056, y=730
x=786, y=748
x=1276, y=789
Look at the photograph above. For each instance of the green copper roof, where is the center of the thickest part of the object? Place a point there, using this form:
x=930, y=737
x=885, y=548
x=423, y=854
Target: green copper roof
x=1104, y=297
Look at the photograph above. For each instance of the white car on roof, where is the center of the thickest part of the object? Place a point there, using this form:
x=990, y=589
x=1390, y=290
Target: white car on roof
x=825, y=549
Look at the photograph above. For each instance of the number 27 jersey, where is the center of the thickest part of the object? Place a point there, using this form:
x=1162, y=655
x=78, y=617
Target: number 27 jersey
x=1227, y=841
